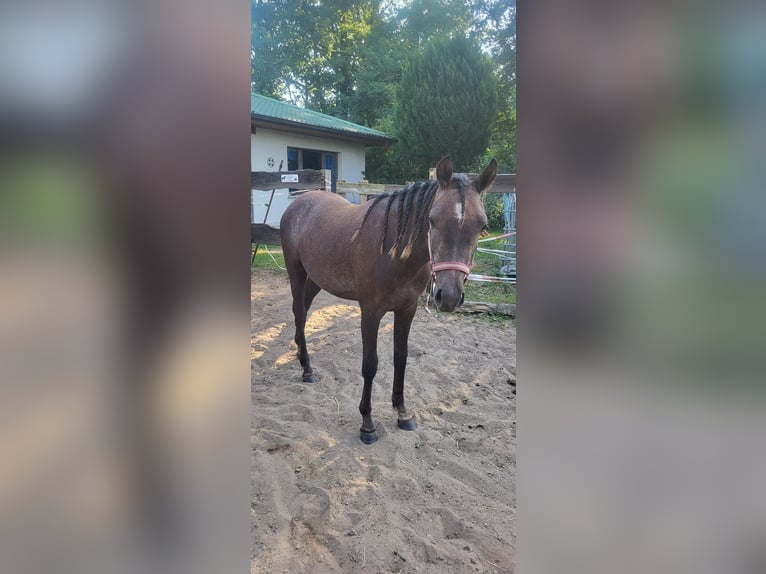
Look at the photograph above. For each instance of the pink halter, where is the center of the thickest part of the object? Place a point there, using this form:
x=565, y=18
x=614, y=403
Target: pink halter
x=444, y=266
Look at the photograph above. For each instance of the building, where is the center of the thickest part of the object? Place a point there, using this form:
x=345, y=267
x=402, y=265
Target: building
x=296, y=138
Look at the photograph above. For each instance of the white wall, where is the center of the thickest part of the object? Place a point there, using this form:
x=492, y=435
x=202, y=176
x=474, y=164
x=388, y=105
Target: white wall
x=271, y=143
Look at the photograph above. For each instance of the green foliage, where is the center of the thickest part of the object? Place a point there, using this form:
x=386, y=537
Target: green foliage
x=502, y=140
x=424, y=20
x=493, y=206
x=377, y=70
x=287, y=48
x=445, y=103
x=497, y=21
x=338, y=57
x=345, y=58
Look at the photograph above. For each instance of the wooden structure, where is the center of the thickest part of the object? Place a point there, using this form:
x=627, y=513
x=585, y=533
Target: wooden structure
x=298, y=181
x=260, y=233
x=504, y=182
x=364, y=190
x=298, y=138
x=493, y=308
x=308, y=179
x=303, y=179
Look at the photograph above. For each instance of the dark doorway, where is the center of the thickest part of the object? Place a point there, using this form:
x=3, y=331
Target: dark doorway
x=298, y=158
x=312, y=159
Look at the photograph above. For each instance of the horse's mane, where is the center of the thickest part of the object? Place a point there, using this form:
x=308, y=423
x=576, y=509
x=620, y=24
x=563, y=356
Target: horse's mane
x=410, y=223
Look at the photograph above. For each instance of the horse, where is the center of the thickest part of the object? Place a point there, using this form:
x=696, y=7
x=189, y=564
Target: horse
x=383, y=255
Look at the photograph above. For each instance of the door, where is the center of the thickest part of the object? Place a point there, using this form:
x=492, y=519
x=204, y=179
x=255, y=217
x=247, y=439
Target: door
x=329, y=163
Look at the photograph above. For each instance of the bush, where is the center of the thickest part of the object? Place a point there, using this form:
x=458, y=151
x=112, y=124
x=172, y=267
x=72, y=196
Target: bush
x=493, y=205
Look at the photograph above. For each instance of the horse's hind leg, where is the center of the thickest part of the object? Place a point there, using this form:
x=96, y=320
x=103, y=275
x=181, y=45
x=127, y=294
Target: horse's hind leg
x=310, y=292
x=298, y=287
x=402, y=322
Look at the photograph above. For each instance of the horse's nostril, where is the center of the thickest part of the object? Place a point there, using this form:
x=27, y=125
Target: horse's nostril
x=438, y=296
x=462, y=298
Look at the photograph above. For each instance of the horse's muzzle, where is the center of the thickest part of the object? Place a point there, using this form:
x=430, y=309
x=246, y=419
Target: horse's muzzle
x=448, y=298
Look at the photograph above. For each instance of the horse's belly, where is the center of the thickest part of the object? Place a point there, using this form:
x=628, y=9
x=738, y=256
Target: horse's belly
x=342, y=294
x=333, y=277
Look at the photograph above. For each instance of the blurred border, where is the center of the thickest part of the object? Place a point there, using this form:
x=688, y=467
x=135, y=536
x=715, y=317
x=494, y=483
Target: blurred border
x=124, y=306
x=642, y=252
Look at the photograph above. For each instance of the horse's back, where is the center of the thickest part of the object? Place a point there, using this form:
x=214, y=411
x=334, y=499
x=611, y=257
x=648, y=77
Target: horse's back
x=306, y=210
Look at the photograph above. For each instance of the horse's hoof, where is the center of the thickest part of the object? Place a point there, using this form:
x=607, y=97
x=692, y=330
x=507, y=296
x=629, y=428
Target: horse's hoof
x=368, y=437
x=408, y=424
x=309, y=379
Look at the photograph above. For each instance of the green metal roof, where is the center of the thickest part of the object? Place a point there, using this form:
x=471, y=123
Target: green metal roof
x=270, y=109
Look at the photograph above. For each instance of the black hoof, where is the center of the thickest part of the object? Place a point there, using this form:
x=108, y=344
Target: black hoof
x=309, y=379
x=368, y=437
x=408, y=424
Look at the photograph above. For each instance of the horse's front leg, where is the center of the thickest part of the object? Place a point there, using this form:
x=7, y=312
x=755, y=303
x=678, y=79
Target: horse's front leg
x=370, y=324
x=402, y=322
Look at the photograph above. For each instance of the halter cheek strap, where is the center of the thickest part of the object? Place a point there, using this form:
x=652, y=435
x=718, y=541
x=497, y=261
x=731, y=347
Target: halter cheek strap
x=444, y=266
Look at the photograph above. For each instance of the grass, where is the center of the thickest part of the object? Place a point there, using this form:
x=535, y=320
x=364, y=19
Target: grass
x=488, y=264
x=485, y=264
x=264, y=261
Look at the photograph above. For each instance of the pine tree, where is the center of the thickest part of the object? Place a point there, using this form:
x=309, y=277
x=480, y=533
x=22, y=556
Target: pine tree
x=446, y=102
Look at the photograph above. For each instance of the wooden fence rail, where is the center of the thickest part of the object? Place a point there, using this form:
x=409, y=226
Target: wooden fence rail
x=307, y=179
x=504, y=182
x=301, y=179
x=264, y=234
x=364, y=190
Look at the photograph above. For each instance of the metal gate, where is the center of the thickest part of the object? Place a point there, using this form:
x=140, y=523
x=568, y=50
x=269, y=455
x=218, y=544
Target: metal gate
x=508, y=260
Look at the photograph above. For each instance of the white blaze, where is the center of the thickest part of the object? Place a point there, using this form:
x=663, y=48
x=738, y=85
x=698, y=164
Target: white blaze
x=459, y=211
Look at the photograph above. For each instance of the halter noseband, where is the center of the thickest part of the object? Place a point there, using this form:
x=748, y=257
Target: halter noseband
x=443, y=266
x=456, y=265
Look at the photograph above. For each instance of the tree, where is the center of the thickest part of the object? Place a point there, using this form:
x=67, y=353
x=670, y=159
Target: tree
x=502, y=139
x=371, y=70
x=315, y=53
x=289, y=50
x=344, y=58
x=446, y=102
x=421, y=21
x=498, y=19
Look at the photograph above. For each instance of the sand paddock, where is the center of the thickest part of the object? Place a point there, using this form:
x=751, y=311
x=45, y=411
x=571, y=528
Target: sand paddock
x=439, y=499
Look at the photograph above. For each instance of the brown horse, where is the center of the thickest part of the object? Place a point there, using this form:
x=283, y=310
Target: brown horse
x=383, y=254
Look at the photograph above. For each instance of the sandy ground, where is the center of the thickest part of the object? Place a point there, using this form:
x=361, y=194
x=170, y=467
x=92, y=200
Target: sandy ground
x=439, y=499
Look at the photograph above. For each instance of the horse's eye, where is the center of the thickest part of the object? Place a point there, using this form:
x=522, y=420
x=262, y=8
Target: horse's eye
x=431, y=220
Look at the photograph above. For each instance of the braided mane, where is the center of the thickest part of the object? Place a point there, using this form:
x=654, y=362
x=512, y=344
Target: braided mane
x=409, y=222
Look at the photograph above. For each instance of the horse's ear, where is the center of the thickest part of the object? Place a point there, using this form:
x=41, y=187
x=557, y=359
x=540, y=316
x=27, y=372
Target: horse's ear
x=444, y=172
x=487, y=177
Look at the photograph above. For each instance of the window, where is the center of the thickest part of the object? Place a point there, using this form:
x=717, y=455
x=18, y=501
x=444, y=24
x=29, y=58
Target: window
x=313, y=159
x=292, y=159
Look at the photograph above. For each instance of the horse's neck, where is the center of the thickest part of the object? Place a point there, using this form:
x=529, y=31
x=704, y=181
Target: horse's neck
x=420, y=251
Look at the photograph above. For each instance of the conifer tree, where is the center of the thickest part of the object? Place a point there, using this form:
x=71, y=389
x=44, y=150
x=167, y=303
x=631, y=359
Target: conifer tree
x=446, y=102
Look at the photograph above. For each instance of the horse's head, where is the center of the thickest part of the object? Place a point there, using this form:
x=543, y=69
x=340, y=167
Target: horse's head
x=457, y=219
